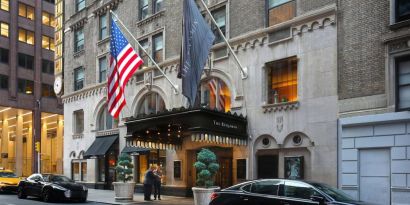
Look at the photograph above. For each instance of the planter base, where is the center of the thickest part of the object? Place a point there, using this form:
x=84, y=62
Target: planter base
x=124, y=192
x=202, y=196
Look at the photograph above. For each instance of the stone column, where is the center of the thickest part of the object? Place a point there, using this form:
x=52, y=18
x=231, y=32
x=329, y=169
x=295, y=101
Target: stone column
x=19, y=144
x=43, y=148
x=92, y=170
x=134, y=170
x=59, y=148
x=29, y=153
x=5, y=141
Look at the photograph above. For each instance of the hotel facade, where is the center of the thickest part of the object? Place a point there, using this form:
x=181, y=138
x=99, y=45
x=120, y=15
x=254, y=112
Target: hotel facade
x=283, y=115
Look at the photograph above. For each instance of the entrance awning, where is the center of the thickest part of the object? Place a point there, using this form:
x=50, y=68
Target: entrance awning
x=167, y=129
x=101, y=145
x=132, y=150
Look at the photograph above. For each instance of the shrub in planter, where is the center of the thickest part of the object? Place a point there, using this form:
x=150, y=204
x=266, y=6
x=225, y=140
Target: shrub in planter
x=124, y=191
x=206, y=168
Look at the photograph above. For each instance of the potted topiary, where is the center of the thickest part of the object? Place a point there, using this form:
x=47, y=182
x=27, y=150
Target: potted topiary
x=206, y=168
x=124, y=191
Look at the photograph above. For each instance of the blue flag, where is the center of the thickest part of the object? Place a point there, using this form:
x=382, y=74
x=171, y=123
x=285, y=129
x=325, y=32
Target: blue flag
x=197, y=41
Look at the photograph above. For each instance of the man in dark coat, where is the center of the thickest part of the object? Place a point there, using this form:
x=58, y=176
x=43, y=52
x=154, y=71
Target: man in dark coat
x=149, y=180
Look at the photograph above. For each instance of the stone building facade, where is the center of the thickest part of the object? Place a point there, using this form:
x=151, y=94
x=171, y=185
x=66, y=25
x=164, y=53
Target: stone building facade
x=373, y=53
x=289, y=97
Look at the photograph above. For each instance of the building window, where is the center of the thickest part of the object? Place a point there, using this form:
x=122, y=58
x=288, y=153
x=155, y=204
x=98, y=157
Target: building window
x=106, y=121
x=4, y=81
x=151, y=103
x=25, y=86
x=402, y=10
x=26, y=11
x=103, y=26
x=47, y=66
x=26, y=61
x=78, y=40
x=79, y=5
x=214, y=94
x=279, y=11
x=101, y=169
x=157, y=6
x=4, y=29
x=47, y=91
x=47, y=43
x=143, y=9
x=241, y=169
x=48, y=19
x=282, y=81
x=157, y=51
x=102, y=68
x=4, y=5
x=26, y=36
x=220, y=18
x=403, y=83
x=78, y=78
x=50, y=1
x=4, y=55
x=79, y=170
x=143, y=55
x=78, y=121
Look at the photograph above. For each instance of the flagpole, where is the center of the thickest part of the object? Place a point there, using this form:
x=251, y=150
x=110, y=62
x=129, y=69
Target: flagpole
x=244, y=70
x=143, y=49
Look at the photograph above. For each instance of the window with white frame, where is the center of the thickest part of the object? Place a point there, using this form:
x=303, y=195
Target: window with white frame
x=158, y=47
x=79, y=5
x=103, y=27
x=157, y=6
x=79, y=40
x=78, y=78
x=220, y=18
x=143, y=9
x=78, y=117
x=106, y=121
x=143, y=55
x=403, y=83
x=102, y=69
x=151, y=103
x=79, y=170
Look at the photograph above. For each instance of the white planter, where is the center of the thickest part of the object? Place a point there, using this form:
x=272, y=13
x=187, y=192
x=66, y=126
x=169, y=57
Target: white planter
x=124, y=191
x=202, y=196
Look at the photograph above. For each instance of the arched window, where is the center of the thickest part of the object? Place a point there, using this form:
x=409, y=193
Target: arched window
x=151, y=103
x=106, y=121
x=215, y=95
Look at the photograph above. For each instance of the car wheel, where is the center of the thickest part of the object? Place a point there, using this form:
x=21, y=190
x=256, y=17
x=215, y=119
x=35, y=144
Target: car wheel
x=20, y=193
x=83, y=200
x=47, y=195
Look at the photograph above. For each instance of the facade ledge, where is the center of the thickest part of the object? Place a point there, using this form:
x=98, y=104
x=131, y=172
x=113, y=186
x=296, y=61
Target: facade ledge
x=78, y=53
x=78, y=136
x=400, y=24
x=85, y=92
x=150, y=18
x=80, y=23
x=400, y=189
x=107, y=132
x=103, y=41
x=280, y=107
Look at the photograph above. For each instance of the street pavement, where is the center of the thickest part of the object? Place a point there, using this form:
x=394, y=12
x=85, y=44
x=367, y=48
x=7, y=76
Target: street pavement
x=11, y=199
x=97, y=197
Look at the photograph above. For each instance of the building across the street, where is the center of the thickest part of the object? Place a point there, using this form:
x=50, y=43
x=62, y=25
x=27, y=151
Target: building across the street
x=281, y=121
x=374, y=67
x=29, y=109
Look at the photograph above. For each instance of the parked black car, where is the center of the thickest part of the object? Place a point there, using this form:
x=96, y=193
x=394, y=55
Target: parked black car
x=51, y=187
x=281, y=192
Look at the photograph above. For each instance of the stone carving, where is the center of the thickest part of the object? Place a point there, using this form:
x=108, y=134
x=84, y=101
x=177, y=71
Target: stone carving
x=279, y=123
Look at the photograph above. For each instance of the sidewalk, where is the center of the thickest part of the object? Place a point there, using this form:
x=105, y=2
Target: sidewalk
x=107, y=196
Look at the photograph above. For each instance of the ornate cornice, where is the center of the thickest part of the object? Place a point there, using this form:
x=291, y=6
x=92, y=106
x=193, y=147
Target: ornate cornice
x=280, y=107
x=151, y=18
x=85, y=93
x=111, y=5
x=78, y=24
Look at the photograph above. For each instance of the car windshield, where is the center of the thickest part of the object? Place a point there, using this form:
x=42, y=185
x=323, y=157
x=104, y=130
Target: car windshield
x=7, y=175
x=60, y=179
x=336, y=194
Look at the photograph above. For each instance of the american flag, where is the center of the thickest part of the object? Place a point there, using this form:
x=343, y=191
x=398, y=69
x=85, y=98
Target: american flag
x=215, y=85
x=124, y=62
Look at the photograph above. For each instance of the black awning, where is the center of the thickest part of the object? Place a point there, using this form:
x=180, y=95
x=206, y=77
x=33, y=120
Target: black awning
x=100, y=146
x=139, y=150
x=170, y=127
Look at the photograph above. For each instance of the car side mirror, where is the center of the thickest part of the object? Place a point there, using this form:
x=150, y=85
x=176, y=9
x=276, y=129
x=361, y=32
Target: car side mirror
x=37, y=180
x=319, y=199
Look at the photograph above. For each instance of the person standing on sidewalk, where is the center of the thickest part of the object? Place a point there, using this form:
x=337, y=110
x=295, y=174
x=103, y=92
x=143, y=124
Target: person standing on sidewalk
x=149, y=180
x=157, y=183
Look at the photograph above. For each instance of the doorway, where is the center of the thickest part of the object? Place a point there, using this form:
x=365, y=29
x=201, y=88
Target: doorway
x=268, y=166
x=374, y=176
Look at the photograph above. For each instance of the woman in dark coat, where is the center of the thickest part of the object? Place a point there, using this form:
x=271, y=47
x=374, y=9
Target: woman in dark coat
x=149, y=180
x=157, y=183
